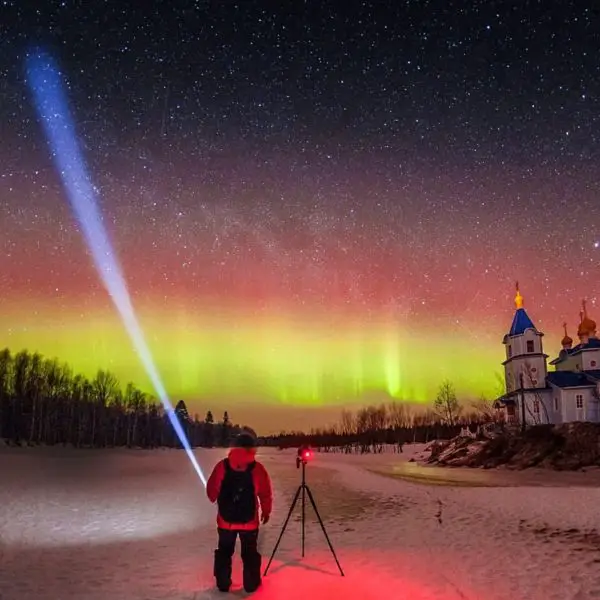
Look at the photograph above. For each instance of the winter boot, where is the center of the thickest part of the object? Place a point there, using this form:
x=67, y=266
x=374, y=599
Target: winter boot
x=222, y=571
x=252, y=575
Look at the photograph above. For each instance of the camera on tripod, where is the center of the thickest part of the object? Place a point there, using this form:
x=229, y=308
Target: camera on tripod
x=303, y=456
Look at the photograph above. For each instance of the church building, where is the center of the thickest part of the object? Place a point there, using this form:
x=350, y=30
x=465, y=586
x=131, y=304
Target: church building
x=570, y=392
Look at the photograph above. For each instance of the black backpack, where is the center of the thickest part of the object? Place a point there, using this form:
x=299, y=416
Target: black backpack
x=237, y=498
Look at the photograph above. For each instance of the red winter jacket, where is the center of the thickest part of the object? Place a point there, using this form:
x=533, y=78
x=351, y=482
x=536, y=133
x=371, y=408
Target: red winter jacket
x=239, y=459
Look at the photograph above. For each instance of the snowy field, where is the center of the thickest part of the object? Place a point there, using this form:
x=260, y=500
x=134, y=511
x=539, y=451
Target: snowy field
x=135, y=525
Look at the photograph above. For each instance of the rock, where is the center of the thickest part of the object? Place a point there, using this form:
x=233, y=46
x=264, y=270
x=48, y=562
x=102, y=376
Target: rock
x=570, y=446
x=436, y=448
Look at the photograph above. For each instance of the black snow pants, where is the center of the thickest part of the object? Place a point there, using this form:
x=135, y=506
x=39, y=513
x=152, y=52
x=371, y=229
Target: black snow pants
x=251, y=559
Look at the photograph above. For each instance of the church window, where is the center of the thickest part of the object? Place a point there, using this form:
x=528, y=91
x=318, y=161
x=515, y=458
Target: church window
x=529, y=345
x=593, y=363
x=579, y=401
x=509, y=351
x=556, y=404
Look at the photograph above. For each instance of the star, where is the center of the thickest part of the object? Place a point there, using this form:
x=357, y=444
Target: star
x=357, y=186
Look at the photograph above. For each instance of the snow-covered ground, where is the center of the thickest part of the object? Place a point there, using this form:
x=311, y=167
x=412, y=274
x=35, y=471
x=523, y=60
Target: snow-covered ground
x=99, y=525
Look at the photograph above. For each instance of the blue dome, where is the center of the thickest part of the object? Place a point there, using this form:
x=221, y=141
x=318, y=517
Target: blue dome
x=521, y=322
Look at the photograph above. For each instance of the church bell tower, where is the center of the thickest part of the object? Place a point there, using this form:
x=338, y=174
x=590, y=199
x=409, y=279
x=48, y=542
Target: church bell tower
x=525, y=358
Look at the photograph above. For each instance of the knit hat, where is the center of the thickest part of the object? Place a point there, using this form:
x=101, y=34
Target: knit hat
x=245, y=440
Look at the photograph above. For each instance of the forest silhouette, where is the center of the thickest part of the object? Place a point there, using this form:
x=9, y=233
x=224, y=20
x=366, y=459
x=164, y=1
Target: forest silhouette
x=43, y=402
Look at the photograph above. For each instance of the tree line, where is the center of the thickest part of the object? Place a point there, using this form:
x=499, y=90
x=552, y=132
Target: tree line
x=43, y=402
x=370, y=428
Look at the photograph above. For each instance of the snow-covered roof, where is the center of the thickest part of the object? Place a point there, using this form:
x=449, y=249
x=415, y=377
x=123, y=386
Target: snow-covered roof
x=591, y=344
x=568, y=379
x=593, y=375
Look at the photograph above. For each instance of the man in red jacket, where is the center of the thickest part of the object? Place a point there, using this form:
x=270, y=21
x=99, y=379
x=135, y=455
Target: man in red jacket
x=236, y=484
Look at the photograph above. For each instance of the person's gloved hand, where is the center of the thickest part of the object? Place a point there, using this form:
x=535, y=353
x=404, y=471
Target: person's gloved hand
x=265, y=518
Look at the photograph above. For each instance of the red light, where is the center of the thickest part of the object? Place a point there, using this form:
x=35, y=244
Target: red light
x=307, y=454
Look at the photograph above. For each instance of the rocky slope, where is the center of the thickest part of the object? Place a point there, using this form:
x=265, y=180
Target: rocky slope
x=563, y=447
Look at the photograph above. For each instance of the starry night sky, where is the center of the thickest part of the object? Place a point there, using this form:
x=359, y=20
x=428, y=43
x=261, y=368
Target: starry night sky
x=313, y=202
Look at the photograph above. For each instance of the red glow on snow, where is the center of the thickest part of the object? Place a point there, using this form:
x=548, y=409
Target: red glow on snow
x=369, y=576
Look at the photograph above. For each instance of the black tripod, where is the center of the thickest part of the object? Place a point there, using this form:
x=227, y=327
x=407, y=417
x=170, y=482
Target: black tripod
x=304, y=490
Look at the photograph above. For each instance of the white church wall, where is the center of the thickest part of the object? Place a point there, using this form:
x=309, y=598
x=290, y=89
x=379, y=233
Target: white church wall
x=593, y=412
x=518, y=345
x=569, y=364
x=538, y=408
x=587, y=360
x=554, y=406
x=590, y=360
x=578, y=405
x=533, y=369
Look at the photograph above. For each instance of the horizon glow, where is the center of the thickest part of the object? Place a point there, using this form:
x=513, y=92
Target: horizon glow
x=45, y=82
x=210, y=358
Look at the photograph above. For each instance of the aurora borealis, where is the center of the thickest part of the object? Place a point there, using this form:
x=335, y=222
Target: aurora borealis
x=312, y=207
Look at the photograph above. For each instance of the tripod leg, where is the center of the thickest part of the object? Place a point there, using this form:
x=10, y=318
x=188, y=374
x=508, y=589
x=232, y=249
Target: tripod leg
x=314, y=505
x=303, y=517
x=283, y=529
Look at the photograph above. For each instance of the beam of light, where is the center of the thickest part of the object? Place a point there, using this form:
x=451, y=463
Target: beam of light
x=46, y=84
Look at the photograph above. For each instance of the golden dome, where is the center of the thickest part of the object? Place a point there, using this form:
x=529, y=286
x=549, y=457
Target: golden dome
x=587, y=325
x=566, y=341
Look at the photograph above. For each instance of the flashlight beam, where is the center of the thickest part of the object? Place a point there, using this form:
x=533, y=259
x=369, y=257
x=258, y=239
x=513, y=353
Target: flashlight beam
x=46, y=84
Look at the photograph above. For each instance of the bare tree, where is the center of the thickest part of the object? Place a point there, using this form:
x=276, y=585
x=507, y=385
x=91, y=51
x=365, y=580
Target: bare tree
x=347, y=423
x=446, y=403
x=399, y=415
x=484, y=408
x=500, y=388
x=41, y=401
x=105, y=387
x=5, y=385
x=371, y=427
x=135, y=403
